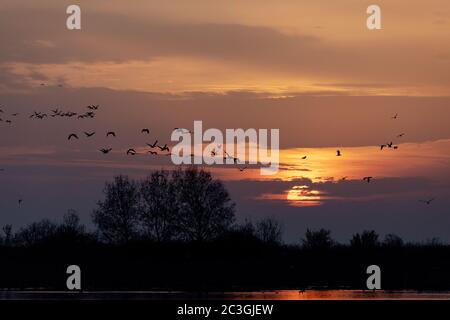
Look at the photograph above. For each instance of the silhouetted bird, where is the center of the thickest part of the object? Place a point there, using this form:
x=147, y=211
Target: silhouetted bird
x=383, y=146
x=145, y=130
x=165, y=148
x=242, y=169
x=338, y=153
x=111, y=133
x=395, y=147
x=152, y=152
x=396, y=116
x=152, y=145
x=390, y=144
x=89, y=134
x=72, y=135
x=428, y=202
x=131, y=152
x=304, y=157
x=105, y=151
x=20, y=201
x=235, y=160
x=368, y=179
x=400, y=135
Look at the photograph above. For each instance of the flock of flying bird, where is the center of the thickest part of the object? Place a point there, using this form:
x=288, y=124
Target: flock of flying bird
x=91, y=113
x=391, y=145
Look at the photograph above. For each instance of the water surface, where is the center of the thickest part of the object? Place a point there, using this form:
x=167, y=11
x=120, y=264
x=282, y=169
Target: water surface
x=255, y=295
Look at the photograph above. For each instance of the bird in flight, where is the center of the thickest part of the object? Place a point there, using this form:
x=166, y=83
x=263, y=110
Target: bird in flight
x=390, y=144
x=400, y=135
x=395, y=147
x=93, y=107
x=304, y=157
x=235, y=160
x=344, y=178
x=72, y=135
x=396, y=116
x=152, y=145
x=145, y=130
x=428, y=202
x=338, y=153
x=241, y=169
x=383, y=146
x=131, y=152
x=368, y=179
x=89, y=134
x=111, y=133
x=152, y=152
x=105, y=151
x=164, y=148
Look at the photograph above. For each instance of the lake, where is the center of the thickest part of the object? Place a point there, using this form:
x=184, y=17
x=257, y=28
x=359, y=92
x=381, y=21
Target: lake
x=255, y=295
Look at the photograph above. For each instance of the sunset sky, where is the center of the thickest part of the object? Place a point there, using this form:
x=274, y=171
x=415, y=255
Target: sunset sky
x=311, y=69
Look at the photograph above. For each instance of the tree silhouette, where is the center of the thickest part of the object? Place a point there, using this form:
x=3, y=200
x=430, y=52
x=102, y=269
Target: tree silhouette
x=268, y=230
x=317, y=240
x=392, y=241
x=204, y=206
x=71, y=230
x=7, y=239
x=116, y=217
x=158, y=207
x=36, y=233
x=365, y=240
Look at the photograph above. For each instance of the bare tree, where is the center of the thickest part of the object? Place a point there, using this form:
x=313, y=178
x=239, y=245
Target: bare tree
x=269, y=230
x=36, y=233
x=365, y=240
x=392, y=241
x=158, y=207
x=204, y=206
x=117, y=215
x=8, y=235
x=318, y=239
x=71, y=226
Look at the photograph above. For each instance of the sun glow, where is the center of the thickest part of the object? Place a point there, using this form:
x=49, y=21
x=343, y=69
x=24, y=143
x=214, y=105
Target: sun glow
x=303, y=196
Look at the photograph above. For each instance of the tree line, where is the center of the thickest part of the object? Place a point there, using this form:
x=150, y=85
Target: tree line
x=184, y=205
